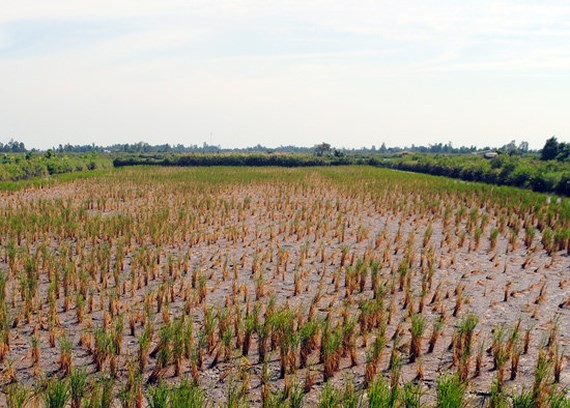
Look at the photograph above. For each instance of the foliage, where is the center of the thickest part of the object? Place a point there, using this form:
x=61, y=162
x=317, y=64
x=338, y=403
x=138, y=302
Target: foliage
x=232, y=159
x=517, y=171
x=15, y=167
x=450, y=391
x=57, y=394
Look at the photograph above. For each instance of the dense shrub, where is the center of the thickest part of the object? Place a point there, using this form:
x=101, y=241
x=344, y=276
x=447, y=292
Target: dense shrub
x=14, y=167
x=231, y=159
x=524, y=172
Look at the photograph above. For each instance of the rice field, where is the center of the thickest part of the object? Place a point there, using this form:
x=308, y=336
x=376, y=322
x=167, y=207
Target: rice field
x=329, y=287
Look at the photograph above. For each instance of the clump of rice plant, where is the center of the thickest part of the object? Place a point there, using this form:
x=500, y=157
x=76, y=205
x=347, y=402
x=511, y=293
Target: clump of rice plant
x=331, y=350
x=450, y=391
x=158, y=396
x=77, y=387
x=411, y=395
x=17, y=396
x=330, y=397
x=57, y=394
x=65, y=356
x=380, y=394
x=523, y=399
x=417, y=331
x=375, y=355
x=498, y=399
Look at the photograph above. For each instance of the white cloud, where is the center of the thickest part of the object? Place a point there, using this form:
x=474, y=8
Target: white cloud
x=305, y=71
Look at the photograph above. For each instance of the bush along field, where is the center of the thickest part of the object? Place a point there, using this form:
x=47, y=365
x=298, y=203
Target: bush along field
x=550, y=176
x=327, y=287
x=24, y=166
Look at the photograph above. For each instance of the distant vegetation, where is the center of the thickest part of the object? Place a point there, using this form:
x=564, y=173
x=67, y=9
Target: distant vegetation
x=554, y=150
x=324, y=148
x=513, y=164
x=23, y=166
x=518, y=171
x=234, y=159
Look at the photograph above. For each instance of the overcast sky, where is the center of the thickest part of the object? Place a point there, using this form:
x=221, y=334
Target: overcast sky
x=238, y=73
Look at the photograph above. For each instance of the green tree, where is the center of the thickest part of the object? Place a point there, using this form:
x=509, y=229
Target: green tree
x=550, y=149
x=563, y=152
x=563, y=186
x=322, y=149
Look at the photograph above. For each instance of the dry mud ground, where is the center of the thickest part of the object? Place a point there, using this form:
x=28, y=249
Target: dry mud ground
x=232, y=233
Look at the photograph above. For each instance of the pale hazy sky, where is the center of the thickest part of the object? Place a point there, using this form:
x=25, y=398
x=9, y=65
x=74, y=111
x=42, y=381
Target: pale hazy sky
x=238, y=73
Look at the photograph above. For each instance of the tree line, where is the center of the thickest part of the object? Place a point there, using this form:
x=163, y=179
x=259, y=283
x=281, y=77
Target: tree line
x=14, y=146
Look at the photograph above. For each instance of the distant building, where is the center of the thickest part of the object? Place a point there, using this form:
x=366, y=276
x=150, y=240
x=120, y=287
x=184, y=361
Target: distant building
x=491, y=155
